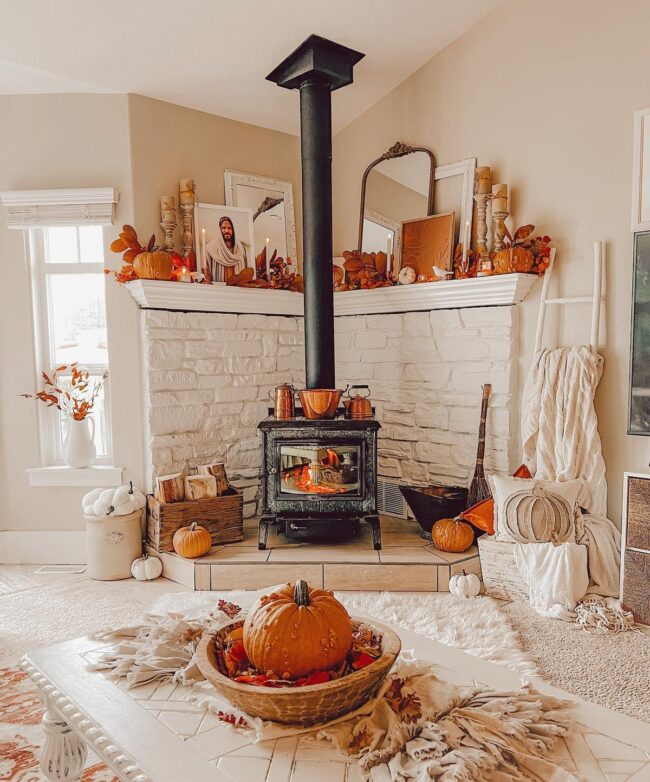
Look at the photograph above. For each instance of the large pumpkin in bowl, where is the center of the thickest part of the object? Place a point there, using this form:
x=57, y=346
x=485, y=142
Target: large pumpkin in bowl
x=297, y=630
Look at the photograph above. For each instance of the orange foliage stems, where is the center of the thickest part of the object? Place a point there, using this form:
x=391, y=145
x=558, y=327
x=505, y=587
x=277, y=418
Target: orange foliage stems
x=77, y=401
x=296, y=631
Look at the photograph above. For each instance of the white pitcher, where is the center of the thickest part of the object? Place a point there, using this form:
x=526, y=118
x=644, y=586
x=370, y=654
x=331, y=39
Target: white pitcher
x=79, y=450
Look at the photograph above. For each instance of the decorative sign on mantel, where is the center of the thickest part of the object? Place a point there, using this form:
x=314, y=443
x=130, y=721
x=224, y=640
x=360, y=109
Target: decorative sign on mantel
x=498, y=290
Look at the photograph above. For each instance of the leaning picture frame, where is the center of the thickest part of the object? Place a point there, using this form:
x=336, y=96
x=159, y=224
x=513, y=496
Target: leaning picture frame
x=467, y=170
x=224, y=240
x=271, y=201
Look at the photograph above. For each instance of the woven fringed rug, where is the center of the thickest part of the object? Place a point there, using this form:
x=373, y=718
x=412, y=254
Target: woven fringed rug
x=418, y=727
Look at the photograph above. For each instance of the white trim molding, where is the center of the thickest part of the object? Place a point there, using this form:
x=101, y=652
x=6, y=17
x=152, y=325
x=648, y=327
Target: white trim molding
x=43, y=547
x=497, y=290
x=641, y=172
x=60, y=475
x=75, y=206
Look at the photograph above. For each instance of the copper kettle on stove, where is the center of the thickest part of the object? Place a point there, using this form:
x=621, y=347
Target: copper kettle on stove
x=358, y=406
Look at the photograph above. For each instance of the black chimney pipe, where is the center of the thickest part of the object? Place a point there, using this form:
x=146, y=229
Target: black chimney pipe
x=316, y=68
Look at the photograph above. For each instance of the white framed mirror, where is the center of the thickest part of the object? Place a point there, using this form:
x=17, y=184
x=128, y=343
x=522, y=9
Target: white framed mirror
x=271, y=201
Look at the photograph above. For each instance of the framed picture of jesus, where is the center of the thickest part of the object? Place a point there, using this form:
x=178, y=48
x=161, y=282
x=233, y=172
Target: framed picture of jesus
x=225, y=243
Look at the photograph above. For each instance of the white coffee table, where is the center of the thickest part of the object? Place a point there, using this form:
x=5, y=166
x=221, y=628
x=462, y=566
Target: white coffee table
x=151, y=734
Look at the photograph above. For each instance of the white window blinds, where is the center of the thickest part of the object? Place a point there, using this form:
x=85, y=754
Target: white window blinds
x=51, y=208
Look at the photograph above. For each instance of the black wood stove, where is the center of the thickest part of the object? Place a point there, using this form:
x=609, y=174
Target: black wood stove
x=319, y=477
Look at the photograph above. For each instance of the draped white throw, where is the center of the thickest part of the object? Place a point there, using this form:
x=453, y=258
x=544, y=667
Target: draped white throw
x=559, y=432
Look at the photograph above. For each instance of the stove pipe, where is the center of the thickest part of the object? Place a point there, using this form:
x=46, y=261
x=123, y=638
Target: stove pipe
x=316, y=68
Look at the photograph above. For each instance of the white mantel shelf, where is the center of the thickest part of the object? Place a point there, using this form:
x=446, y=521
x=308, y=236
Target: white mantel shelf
x=498, y=290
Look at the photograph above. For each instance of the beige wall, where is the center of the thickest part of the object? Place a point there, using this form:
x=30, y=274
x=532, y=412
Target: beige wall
x=57, y=141
x=544, y=92
x=169, y=142
x=142, y=147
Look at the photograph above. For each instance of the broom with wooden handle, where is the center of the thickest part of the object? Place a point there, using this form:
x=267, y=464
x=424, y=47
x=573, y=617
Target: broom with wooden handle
x=479, y=489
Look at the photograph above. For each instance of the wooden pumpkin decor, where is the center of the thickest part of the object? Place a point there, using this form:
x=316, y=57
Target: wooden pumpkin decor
x=452, y=535
x=297, y=630
x=193, y=541
x=538, y=516
x=156, y=265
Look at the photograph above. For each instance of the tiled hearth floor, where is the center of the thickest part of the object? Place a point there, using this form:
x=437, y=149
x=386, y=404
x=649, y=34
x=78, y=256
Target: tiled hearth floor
x=406, y=563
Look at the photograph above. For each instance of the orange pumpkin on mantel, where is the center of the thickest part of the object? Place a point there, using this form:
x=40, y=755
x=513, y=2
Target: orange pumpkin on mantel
x=452, y=535
x=155, y=265
x=297, y=630
x=513, y=259
x=193, y=541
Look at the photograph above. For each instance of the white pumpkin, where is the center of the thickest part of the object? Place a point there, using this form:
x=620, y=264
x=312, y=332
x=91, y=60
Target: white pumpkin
x=146, y=568
x=465, y=585
x=119, y=502
x=89, y=500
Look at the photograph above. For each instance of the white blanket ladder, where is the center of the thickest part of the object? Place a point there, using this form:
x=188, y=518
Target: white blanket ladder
x=595, y=299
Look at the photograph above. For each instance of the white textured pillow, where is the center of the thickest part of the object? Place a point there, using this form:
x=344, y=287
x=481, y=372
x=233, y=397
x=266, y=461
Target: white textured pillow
x=562, y=497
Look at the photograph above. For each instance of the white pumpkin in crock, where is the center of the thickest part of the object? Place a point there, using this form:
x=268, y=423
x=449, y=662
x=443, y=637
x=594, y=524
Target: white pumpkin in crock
x=146, y=568
x=89, y=500
x=119, y=502
x=465, y=585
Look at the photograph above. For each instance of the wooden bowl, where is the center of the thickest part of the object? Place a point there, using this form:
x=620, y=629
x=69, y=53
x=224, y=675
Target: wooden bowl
x=320, y=402
x=315, y=703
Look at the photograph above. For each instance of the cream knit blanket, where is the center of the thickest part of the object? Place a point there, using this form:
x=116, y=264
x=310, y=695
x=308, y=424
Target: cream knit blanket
x=559, y=434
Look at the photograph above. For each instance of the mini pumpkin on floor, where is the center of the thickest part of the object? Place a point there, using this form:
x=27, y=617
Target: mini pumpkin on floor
x=465, y=585
x=193, y=541
x=452, y=535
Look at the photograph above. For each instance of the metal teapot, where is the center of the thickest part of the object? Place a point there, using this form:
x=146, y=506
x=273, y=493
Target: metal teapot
x=358, y=406
x=283, y=401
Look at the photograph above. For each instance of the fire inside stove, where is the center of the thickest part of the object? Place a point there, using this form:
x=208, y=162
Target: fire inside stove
x=314, y=469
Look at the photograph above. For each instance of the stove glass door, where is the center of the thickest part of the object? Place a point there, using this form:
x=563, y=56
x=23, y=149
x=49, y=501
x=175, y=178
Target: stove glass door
x=312, y=468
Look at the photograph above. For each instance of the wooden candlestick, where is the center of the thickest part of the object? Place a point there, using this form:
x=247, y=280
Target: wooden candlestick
x=188, y=198
x=168, y=220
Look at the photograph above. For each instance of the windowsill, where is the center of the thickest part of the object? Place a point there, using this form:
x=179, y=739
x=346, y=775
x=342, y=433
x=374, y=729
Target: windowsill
x=60, y=475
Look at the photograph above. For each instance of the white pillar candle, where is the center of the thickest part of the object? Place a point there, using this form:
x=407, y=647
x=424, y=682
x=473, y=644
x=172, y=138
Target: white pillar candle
x=483, y=179
x=268, y=259
x=186, y=188
x=204, y=257
x=168, y=209
x=499, y=198
x=389, y=254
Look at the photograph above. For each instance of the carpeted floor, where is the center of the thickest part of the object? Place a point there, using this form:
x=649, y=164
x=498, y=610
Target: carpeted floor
x=35, y=610
x=613, y=670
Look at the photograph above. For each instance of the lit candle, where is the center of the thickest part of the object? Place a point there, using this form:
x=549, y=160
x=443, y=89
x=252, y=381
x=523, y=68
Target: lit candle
x=483, y=179
x=184, y=274
x=466, y=241
x=268, y=259
x=499, y=198
x=389, y=255
x=204, y=258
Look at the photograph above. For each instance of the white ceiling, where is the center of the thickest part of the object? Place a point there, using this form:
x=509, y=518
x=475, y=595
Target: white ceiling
x=213, y=55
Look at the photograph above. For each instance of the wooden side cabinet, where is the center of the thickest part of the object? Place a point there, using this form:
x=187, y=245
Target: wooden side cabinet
x=635, y=546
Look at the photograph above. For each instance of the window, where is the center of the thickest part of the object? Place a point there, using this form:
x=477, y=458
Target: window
x=70, y=321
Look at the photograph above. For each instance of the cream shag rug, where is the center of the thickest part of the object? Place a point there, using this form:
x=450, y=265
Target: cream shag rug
x=610, y=669
x=477, y=626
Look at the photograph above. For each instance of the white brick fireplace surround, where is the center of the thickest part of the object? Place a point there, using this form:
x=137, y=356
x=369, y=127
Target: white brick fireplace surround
x=208, y=375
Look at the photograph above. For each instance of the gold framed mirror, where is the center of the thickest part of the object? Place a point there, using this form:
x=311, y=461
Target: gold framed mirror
x=395, y=187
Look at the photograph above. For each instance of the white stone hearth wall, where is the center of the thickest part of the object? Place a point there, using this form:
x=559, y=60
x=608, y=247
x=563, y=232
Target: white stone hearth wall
x=207, y=378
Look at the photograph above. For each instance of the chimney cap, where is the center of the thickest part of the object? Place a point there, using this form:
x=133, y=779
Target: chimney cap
x=317, y=57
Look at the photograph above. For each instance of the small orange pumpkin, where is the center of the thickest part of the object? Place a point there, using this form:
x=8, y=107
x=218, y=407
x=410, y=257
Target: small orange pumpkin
x=513, y=259
x=296, y=631
x=452, y=535
x=193, y=541
x=156, y=265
